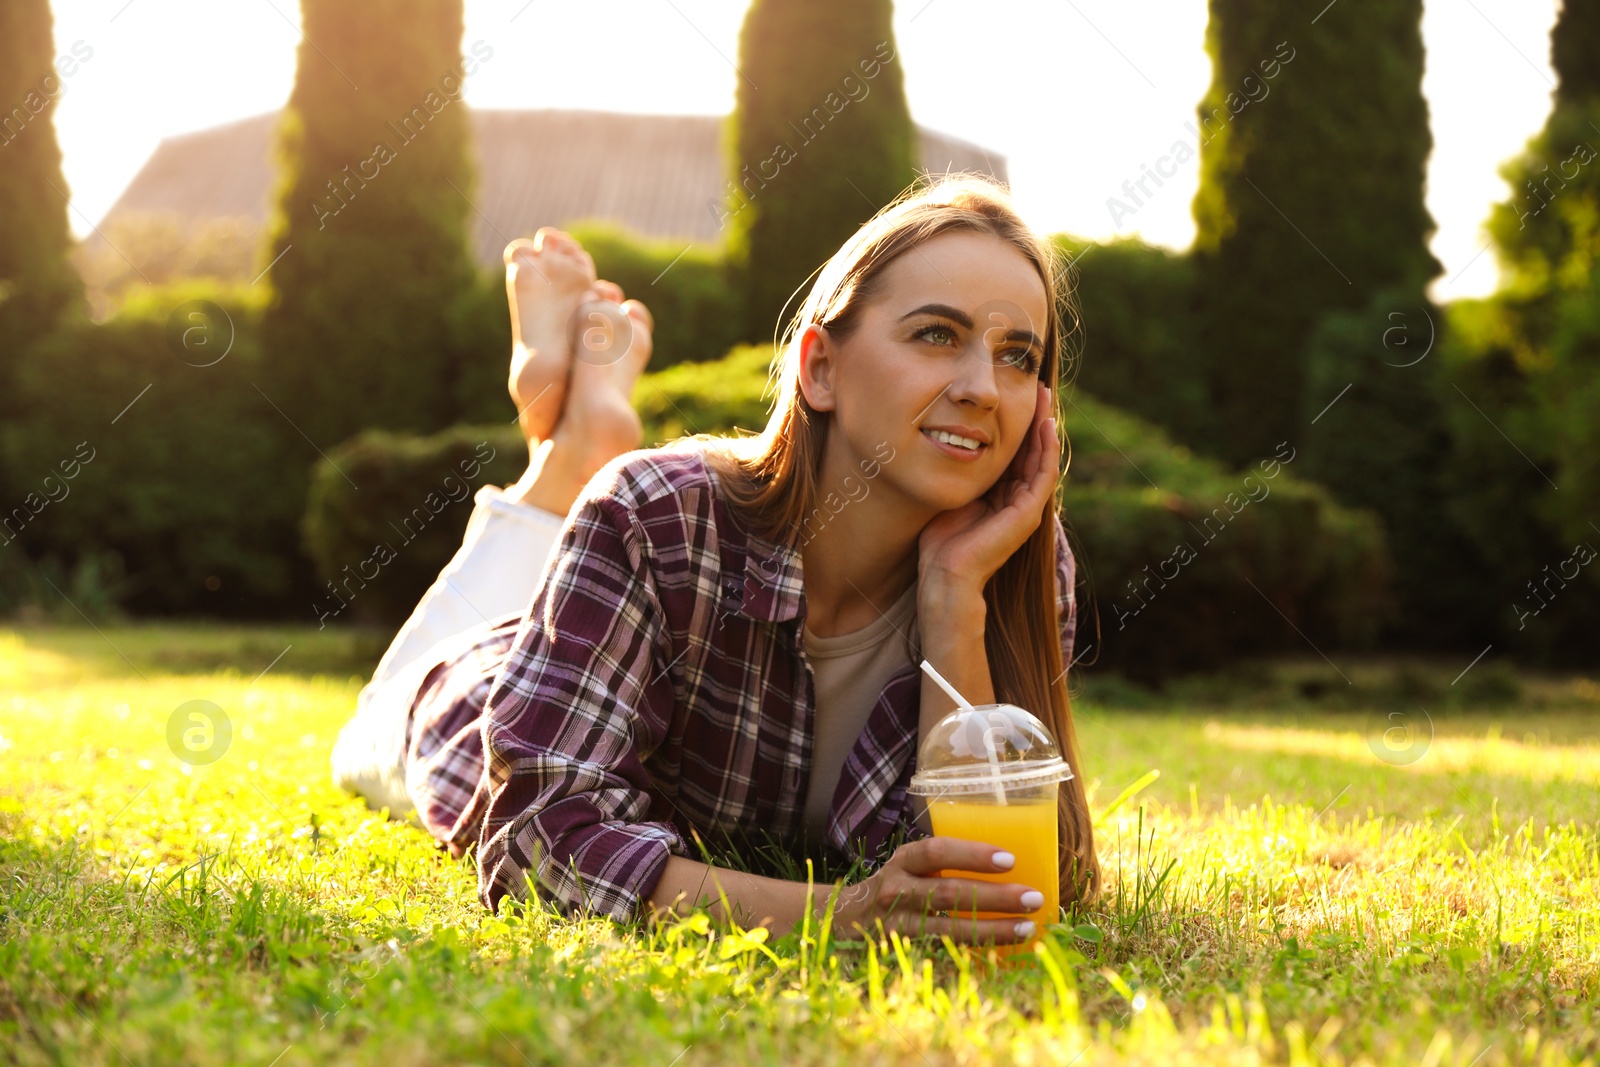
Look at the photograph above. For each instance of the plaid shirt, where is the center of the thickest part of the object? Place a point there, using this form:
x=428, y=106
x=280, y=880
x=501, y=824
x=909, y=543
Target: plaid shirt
x=656, y=686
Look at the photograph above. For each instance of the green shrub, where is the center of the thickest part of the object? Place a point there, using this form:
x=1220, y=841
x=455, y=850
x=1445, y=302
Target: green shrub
x=92, y=588
x=480, y=350
x=1169, y=545
x=706, y=397
x=1138, y=349
x=1495, y=392
x=194, y=496
x=182, y=475
x=1381, y=442
x=386, y=511
x=686, y=287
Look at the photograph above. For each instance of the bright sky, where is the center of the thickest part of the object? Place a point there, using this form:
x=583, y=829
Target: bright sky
x=1077, y=94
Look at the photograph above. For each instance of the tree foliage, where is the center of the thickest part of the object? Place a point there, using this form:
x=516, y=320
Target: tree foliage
x=820, y=139
x=1527, y=470
x=1313, y=142
x=1547, y=237
x=1380, y=440
x=38, y=284
x=368, y=251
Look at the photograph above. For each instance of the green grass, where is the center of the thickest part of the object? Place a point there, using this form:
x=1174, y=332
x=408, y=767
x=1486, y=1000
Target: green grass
x=1278, y=894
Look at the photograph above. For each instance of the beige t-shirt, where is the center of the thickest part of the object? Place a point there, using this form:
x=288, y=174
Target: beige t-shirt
x=849, y=672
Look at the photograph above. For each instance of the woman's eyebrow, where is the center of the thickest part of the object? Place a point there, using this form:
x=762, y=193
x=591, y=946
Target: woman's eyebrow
x=954, y=314
x=1027, y=336
x=961, y=317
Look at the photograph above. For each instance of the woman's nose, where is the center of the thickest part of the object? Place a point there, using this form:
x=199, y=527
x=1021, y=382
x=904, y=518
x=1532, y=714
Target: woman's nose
x=975, y=376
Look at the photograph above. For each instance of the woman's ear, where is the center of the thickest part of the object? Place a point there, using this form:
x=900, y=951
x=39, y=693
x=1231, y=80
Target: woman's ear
x=818, y=366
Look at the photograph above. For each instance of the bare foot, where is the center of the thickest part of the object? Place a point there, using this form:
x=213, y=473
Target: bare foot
x=546, y=278
x=612, y=346
x=598, y=422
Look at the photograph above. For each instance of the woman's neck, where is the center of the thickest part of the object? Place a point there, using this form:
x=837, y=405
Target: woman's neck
x=858, y=560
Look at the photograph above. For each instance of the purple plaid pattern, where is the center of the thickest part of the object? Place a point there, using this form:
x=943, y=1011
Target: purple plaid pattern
x=444, y=751
x=655, y=688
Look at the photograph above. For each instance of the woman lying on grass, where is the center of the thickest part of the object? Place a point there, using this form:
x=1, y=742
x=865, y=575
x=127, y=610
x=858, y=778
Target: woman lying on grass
x=706, y=650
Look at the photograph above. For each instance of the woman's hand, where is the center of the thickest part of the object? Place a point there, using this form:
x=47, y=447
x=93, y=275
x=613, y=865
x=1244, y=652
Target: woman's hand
x=907, y=890
x=964, y=547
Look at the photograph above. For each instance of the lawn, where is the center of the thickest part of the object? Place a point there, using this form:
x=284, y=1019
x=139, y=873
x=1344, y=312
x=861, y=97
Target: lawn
x=1296, y=886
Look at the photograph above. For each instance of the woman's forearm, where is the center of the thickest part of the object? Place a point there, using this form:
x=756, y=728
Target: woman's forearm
x=755, y=900
x=951, y=623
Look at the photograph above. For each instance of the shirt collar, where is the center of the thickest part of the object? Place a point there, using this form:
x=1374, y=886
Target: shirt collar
x=762, y=577
x=770, y=585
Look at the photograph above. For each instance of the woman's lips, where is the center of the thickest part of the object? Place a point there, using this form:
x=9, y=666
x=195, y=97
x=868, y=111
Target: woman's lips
x=954, y=451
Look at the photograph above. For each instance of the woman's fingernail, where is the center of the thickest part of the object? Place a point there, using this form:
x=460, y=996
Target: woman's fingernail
x=1032, y=899
x=1052, y=426
x=1004, y=859
x=1025, y=928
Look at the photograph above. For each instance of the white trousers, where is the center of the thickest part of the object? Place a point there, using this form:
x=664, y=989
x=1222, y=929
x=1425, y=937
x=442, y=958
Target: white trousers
x=493, y=574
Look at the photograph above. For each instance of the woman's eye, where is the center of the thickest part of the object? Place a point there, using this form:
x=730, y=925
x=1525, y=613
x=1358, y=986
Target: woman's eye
x=1022, y=359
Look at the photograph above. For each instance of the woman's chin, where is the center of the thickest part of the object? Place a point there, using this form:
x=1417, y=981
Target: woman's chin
x=948, y=493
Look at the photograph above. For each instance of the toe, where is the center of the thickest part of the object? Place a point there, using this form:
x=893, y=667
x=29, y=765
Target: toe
x=640, y=314
x=519, y=249
x=639, y=340
x=549, y=239
x=561, y=259
x=609, y=291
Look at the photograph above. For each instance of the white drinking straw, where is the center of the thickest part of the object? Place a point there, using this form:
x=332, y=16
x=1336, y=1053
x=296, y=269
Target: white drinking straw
x=988, y=739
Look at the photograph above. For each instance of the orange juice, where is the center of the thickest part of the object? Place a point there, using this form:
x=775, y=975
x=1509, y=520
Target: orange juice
x=1024, y=827
x=992, y=773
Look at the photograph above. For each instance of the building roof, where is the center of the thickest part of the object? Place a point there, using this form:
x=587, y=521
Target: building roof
x=655, y=174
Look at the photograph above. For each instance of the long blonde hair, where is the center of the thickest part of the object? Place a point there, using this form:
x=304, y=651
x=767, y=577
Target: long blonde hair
x=770, y=480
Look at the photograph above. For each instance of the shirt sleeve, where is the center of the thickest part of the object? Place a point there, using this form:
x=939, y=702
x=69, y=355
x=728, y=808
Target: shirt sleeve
x=577, y=708
x=1066, y=594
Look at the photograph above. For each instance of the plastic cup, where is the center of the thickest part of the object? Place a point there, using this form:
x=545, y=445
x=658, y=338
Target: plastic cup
x=993, y=773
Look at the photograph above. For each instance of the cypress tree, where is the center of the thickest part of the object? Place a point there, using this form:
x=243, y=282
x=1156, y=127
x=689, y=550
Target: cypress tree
x=1518, y=382
x=820, y=139
x=1575, y=52
x=38, y=284
x=368, y=245
x=1546, y=236
x=1313, y=141
x=1543, y=234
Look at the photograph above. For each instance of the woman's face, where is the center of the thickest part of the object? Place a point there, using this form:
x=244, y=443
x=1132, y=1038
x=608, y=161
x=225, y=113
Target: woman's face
x=952, y=341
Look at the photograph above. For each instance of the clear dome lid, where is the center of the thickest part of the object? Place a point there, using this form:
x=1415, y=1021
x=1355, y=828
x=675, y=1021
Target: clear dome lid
x=989, y=749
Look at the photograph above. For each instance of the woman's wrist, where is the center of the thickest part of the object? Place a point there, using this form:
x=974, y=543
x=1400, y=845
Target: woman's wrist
x=954, y=605
x=755, y=900
x=951, y=618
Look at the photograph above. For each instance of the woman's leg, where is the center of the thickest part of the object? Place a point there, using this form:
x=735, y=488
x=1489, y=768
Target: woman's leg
x=492, y=574
x=512, y=531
